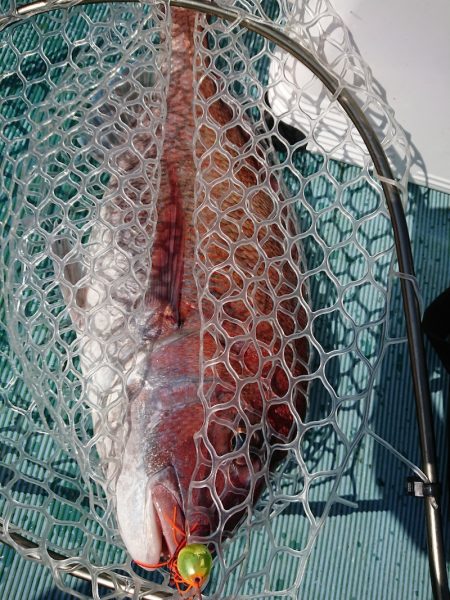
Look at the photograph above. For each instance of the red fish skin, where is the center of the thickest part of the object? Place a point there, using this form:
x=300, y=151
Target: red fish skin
x=173, y=319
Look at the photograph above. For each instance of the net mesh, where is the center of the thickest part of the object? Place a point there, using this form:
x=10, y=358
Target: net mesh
x=289, y=293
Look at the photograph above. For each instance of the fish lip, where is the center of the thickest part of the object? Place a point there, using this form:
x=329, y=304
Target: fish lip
x=137, y=520
x=167, y=498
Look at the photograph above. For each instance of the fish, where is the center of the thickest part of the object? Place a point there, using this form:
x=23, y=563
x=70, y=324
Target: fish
x=162, y=349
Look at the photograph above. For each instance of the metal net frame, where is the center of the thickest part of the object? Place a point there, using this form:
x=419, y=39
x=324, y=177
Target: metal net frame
x=68, y=430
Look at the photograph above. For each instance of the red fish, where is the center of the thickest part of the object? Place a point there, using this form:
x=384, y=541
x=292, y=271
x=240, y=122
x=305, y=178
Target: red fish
x=254, y=404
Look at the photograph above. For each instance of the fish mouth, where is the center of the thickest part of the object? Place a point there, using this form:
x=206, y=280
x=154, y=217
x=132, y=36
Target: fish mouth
x=170, y=514
x=167, y=507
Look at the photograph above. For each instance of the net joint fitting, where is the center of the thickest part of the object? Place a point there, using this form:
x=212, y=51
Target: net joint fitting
x=422, y=489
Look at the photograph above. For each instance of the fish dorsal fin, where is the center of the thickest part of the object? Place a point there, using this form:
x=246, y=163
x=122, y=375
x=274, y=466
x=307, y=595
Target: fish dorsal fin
x=168, y=252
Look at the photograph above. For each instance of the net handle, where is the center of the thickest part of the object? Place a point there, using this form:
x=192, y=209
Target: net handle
x=345, y=98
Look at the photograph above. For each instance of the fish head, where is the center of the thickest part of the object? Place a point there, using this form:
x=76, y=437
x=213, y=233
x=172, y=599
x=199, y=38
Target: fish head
x=157, y=509
x=191, y=473
x=158, y=462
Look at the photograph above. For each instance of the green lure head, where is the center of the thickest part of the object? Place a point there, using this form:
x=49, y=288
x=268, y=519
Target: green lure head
x=194, y=563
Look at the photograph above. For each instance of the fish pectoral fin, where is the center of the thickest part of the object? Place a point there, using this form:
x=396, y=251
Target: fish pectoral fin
x=161, y=323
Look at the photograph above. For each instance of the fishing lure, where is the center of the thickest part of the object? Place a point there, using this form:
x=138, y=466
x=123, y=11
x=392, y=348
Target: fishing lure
x=189, y=566
x=193, y=566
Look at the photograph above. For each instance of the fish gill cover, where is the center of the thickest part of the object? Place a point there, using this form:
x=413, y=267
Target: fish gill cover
x=195, y=302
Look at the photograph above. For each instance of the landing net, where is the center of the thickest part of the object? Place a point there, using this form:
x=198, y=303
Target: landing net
x=294, y=273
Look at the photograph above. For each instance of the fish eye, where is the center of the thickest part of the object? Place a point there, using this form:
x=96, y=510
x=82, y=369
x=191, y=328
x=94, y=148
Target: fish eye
x=240, y=436
x=257, y=440
x=238, y=439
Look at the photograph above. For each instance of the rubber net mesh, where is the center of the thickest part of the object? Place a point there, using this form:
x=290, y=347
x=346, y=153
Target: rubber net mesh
x=191, y=277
